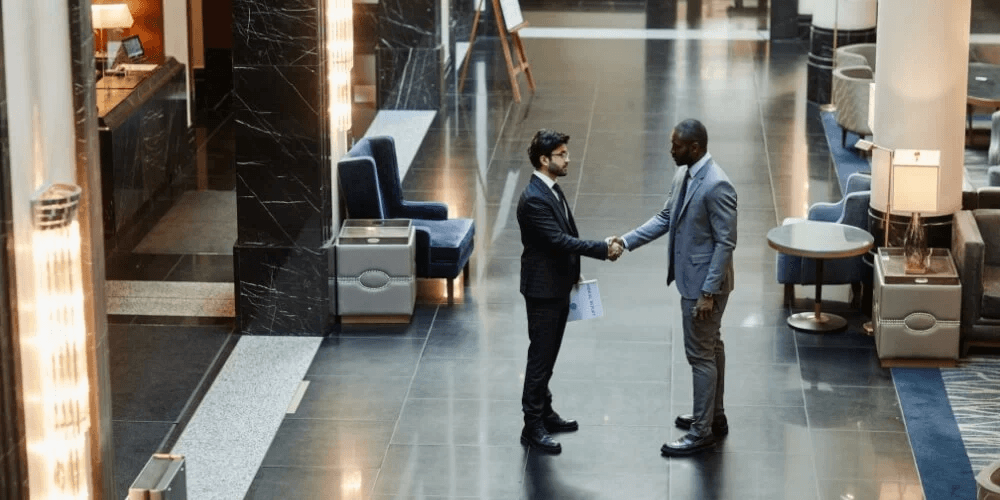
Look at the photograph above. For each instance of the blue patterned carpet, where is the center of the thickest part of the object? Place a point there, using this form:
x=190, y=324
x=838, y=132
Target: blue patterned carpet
x=974, y=393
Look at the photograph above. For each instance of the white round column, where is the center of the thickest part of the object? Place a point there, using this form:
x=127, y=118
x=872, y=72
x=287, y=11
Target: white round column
x=920, y=92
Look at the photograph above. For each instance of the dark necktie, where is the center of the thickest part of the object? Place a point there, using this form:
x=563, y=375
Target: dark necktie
x=562, y=198
x=673, y=222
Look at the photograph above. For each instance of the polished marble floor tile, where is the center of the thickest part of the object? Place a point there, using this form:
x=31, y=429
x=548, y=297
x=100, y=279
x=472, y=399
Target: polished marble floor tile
x=864, y=455
x=743, y=475
x=353, y=398
x=842, y=366
x=452, y=471
x=348, y=483
x=335, y=444
x=367, y=356
x=459, y=422
x=134, y=443
x=854, y=408
x=155, y=369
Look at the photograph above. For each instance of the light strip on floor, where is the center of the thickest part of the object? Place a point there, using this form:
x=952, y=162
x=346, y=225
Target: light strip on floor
x=644, y=34
x=297, y=398
x=228, y=436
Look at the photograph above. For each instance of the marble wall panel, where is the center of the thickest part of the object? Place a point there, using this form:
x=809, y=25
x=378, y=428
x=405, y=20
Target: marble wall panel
x=283, y=180
x=282, y=290
x=410, y=78
x=143, y=154
x=408, y=23
x=269, y=32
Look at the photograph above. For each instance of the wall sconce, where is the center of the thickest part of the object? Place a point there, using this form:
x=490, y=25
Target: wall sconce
x=340, y=61
x=57, y=392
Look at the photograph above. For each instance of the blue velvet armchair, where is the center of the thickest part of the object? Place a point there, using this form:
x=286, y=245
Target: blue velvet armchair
x=371, y=189
x=852, y=210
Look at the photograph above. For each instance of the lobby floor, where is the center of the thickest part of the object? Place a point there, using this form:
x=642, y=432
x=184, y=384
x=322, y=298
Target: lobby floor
x=431, y=409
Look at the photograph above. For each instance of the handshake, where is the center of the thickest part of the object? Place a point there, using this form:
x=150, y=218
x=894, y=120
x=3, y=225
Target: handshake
x=616, y=247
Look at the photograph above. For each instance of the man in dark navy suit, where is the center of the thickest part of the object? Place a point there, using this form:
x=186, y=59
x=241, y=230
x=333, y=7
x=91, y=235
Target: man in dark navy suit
x=550, y=266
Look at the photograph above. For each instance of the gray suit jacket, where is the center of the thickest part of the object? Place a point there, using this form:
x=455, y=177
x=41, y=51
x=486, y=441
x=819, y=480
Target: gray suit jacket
x=704, y=226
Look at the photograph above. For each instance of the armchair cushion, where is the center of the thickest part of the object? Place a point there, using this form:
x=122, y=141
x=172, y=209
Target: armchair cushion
x=988, y=221
x=991, y=292
x=448, y=248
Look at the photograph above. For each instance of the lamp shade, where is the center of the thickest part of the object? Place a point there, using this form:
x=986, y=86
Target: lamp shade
x=111, y=16
x=915, y=180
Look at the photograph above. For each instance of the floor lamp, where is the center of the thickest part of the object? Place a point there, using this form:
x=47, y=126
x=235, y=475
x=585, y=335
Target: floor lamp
x=105, y=17
x=830, y=106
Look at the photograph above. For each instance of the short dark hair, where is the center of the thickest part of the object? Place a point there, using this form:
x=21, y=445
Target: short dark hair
x=544, y=143
x=692, y=130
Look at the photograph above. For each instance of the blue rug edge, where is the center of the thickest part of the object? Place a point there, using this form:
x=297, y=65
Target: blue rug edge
x=938, y=449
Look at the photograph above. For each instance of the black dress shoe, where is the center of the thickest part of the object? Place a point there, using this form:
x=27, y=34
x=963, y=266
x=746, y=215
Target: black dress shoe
x=555, y=423
x=537, y=437
x=688, y=445
x=720, y=426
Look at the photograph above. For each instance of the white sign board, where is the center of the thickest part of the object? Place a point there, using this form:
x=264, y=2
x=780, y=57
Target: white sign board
x=511, y=13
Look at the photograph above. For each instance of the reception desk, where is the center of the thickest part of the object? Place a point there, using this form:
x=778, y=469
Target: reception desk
x=145, y=145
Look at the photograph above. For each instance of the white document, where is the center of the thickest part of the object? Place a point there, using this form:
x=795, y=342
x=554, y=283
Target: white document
x=585, y=301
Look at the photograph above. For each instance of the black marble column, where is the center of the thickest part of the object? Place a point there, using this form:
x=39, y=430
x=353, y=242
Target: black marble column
x=410, y=56
x=819, y=72
x=784, y=19
x=283, y=174
x=13, y=462
x=88, y=177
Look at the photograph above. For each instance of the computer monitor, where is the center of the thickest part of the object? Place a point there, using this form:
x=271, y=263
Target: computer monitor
x=133, y=47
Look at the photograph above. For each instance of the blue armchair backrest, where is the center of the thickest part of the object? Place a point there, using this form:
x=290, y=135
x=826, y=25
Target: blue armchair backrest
x=858, y=182
x=359, y=188
x=856, y=209
x=382, y=151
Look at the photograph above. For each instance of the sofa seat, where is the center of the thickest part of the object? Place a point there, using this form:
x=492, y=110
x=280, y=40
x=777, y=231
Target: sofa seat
x=991, y=292
x=451, y=239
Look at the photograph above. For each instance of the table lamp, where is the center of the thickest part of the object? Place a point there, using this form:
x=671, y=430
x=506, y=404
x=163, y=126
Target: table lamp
x=113, y=16
x=913, y=187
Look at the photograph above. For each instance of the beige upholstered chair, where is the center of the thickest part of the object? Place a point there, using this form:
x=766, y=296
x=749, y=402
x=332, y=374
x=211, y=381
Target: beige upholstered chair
x=858, y=54
x=850, y=95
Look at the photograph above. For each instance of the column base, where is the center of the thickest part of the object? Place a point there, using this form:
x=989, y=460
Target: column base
x=938, y=229
x=282, y=290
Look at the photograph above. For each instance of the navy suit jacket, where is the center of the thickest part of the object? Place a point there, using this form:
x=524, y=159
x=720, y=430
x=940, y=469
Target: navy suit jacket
x=550, y=262
x=704, y=225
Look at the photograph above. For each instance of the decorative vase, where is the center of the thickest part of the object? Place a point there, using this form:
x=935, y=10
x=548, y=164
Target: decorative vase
x=918, y=256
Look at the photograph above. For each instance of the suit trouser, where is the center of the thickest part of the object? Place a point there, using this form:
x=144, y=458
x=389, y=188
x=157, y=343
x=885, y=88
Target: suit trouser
x=546, y=324
x=707, y=356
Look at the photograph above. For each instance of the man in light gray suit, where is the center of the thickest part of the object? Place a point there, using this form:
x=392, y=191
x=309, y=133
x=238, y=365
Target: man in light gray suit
x=700, y=215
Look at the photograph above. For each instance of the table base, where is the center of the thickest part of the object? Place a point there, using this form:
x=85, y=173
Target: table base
x=809, y=321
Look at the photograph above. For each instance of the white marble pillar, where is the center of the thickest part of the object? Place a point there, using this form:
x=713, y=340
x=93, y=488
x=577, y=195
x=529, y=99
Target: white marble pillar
x=920, y=91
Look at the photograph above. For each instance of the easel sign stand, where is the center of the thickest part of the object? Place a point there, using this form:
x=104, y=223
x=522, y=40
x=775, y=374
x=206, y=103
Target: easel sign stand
x=505, y=28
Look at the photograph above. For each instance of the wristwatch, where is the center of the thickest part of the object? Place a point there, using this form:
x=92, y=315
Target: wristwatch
x=706, y=295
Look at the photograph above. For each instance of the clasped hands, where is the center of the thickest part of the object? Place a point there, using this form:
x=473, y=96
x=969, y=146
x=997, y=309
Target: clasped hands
x=616, y=247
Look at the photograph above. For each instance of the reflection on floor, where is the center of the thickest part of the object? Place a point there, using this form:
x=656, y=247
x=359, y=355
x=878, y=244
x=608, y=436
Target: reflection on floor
x=431, y=409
